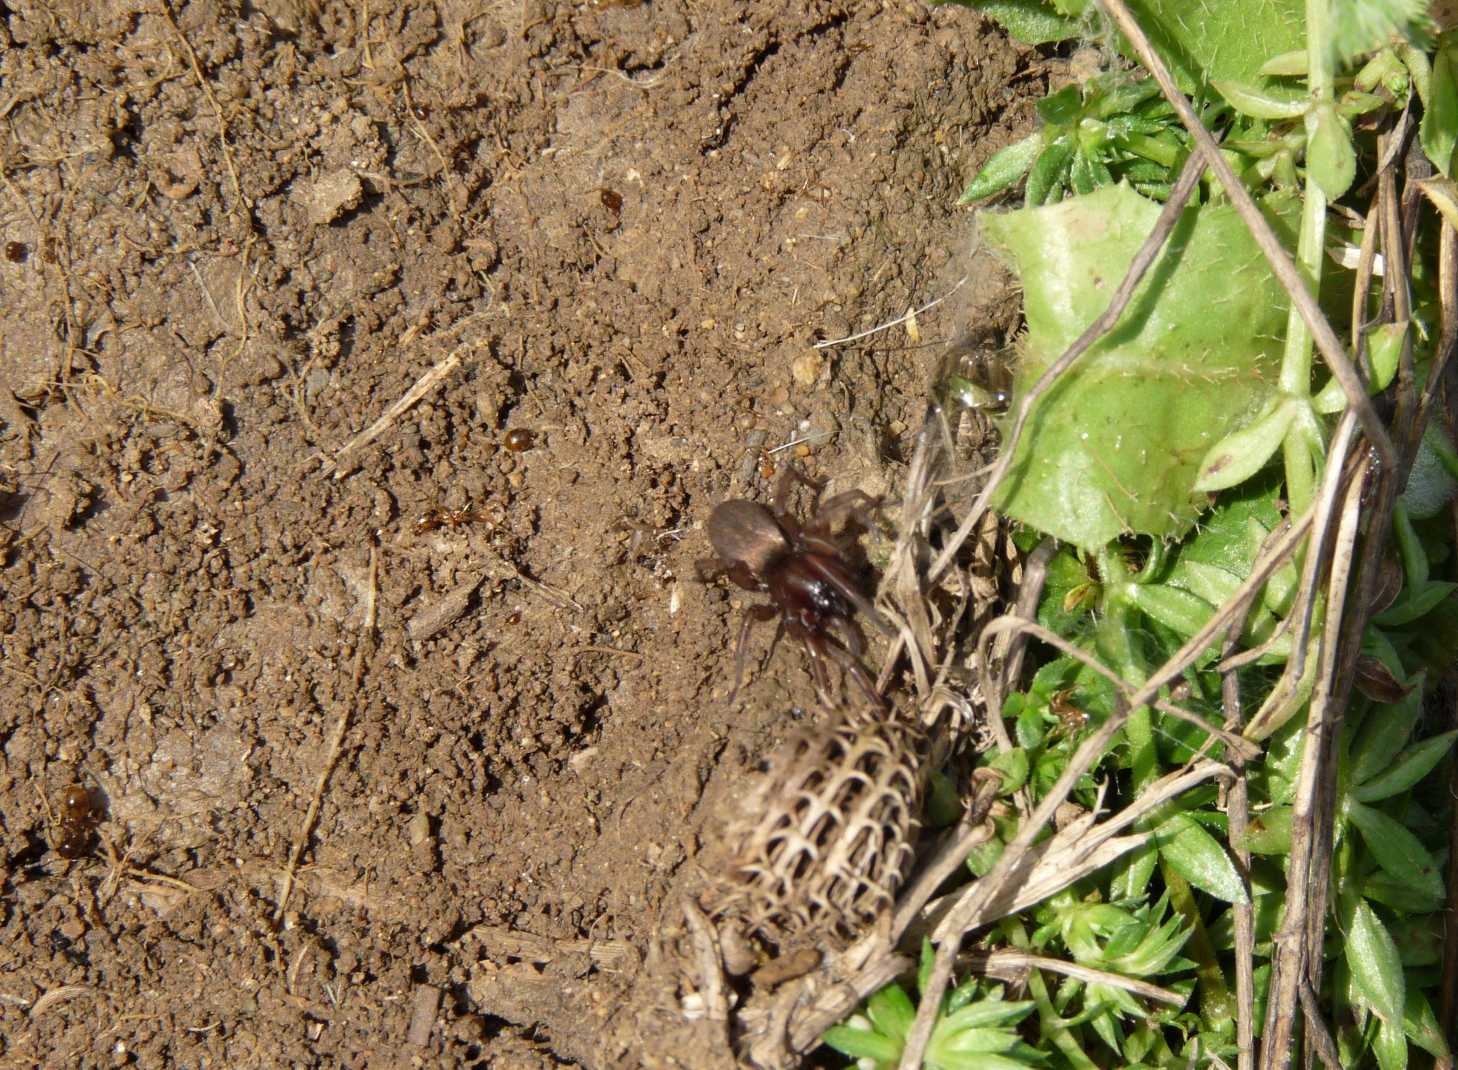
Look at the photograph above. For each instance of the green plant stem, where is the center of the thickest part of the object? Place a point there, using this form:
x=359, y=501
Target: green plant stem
x=1217, y=1006
x=1295, y=378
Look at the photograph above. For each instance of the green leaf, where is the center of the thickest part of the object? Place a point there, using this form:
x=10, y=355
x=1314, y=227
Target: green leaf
x=1287, y=65
x=1013, y=765
x=1198, y=857
x=1361, y=27
x=1439, y=128
x=891, y=1011
x=1411, y=766
x=1384, y=349
x=1114, y=445
x=1179, y=611
x=1331, y=158
x=1412, y=605
x=1430, y=486
x=863, y=1044
x=1421, y=1025
x=1273, y=106
x=1376, y=969
x=1380, y=888
x=1269, y=831
x=1398, y=852
x=1006, y=168
x=1241, y=454
x=1029, y=21
x=987, y=1014
x=1049, y=174
x=1390, y=1047
x=1383, y=735
x=1230, y=40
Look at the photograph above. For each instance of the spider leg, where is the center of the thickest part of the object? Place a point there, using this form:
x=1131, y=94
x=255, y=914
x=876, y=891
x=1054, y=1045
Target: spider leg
x=817, y=649
x=856, y=505
x=790, y=476
x=829, y=646
x=855, y=639
x=752, y=616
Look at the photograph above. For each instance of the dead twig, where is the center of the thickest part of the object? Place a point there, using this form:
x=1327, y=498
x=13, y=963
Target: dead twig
x=1291, y=961
x=336, y=739
x=422, y=386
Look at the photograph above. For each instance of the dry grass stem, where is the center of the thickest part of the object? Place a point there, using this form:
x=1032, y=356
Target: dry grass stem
x=422, y=386
x=911, y=314
x=1013, y=965
x=1291, y=964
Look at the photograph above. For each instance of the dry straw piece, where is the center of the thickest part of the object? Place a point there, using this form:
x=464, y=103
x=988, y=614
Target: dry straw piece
x=826, y=834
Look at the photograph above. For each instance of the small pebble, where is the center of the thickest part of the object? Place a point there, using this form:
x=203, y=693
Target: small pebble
x=807, y=367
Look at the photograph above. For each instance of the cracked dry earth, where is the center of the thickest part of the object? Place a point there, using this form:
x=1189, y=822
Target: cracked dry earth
x=235, y=236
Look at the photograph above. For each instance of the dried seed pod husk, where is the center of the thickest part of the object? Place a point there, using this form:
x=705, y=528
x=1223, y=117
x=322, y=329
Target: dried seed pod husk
x=822, y=841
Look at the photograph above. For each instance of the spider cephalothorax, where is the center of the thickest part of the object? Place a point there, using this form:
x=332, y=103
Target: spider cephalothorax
x=812, y=585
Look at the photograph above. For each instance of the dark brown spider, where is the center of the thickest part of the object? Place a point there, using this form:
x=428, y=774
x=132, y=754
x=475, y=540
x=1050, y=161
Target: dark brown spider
x=812, y=586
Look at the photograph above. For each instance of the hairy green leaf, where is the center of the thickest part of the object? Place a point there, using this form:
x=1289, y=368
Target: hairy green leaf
x=1029, y=21
x=1411, y=766
x=1199, y=858
x=1241, y=454
x=1006, y=167
x=1230, y=40
x=1376, y=969
x=1400, y=854
x=1114, y=445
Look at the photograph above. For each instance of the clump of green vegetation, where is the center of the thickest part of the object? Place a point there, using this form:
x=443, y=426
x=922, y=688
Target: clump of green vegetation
x=1240, y=471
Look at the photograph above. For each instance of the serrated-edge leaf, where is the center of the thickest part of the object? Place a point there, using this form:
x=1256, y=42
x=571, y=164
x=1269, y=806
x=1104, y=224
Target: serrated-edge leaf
x=1241, y=454
x=1259, y=105
x=1411, y=766
x=1199, y=858
x=1372, y=957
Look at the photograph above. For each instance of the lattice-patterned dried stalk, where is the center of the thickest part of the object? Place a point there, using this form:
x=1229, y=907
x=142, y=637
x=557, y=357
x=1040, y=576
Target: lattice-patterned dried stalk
x=823, y=840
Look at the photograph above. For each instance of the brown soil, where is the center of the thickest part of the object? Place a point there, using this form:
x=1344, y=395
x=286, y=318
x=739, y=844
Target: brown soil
x=235, y=236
